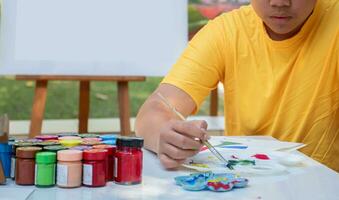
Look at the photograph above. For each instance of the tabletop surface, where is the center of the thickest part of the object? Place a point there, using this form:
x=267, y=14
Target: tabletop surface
x=314, y=181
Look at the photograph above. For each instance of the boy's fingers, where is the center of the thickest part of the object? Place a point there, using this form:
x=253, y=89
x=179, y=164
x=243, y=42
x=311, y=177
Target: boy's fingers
x=177, y=153
x=169, y=163
x=200, y=123
x=189, y=128
x=182, y=141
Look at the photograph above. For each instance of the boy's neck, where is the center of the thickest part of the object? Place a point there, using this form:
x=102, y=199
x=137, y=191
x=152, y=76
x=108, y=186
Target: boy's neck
x=279, y=37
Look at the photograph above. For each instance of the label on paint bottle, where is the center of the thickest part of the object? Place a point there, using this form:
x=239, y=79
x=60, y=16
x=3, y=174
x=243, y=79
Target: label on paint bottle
x=62, y=175
x=115, y=167
x=12, y=167
x=87, y=174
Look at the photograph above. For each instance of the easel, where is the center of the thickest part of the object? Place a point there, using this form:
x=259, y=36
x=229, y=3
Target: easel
x=41, y=94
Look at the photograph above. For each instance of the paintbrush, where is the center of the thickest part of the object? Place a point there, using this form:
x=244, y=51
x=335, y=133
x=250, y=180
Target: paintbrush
x=205, y=142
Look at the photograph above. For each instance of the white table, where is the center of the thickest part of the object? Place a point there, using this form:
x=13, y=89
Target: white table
x=312, y=182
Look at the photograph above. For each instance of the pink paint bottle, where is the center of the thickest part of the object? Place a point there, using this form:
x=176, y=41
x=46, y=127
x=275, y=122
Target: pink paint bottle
x=69, y=168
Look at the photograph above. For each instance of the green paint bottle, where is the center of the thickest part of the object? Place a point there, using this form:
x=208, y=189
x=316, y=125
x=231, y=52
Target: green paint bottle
x=45, y=169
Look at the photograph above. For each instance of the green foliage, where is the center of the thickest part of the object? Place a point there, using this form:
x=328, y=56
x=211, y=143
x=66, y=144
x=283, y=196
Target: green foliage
x=195, y=1
x=195, y=19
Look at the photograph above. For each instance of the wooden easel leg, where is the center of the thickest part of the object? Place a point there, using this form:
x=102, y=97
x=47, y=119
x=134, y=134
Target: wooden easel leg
x=214, y=103
x=84, y=106
x=38, y=108
x=123, y=99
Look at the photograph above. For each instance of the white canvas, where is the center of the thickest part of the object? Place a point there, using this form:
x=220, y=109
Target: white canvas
x=92, y=37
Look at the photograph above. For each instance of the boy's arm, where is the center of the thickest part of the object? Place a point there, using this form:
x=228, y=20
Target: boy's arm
x=164, y=133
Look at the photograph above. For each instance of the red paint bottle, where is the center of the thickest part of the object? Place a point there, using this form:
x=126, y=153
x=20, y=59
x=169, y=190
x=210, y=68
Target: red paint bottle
x=109, y=159
x=94, y=167
x=128, y=161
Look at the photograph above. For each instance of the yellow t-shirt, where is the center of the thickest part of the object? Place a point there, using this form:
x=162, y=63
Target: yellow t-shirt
x=286, y=89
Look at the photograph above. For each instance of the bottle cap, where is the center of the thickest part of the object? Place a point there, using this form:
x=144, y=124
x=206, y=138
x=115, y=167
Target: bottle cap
x=90, y=142
x=110, y=149
x=135, y=142
x=70, y=143
x=95, y=154
x=108, y=137
x=54, y=148
x=45, y=157
x=68, y=134
x=27, y=152
x=109, y=142
x=91, y=139
x=81, y=148
x=69, y=155
x=47, y=143
x=70, y=138
x=46, y=137
x=87, y=135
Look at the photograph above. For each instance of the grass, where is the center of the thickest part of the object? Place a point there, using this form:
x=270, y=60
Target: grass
x=16, y=98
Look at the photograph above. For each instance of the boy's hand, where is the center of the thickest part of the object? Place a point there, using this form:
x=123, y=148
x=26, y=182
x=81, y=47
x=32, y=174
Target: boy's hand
x=178, y=141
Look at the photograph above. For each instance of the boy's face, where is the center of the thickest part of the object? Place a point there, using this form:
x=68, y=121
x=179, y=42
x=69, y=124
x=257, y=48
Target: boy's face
x=283, y=16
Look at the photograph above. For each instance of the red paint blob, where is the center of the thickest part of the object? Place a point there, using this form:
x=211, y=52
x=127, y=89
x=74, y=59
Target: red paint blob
x=261, y=156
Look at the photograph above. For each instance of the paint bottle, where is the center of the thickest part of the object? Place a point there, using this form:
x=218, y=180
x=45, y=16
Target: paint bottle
x=46, y=143
x=67, y=134
x=47, y=137
x=70, y=143
x=91, y=141
x=88, y=135
x=109, y=159
x=69, y=168
x=5, y=158
x=94, y=167
x=128, y=161
x=81, y=148
x=13, y=158
x=109, y=139
x=45, y=169
x=25, y=165
x=54, y=148
x=69, y=138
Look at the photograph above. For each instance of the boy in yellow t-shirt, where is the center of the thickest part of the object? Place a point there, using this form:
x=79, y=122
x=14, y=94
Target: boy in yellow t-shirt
x=279, y=63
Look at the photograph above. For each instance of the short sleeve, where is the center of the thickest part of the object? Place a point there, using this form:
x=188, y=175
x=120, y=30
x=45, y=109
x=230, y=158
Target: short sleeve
x=201, y=66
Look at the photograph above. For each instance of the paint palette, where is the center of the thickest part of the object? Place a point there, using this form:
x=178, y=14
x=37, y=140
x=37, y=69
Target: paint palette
x=242, y=162
x=222, y=182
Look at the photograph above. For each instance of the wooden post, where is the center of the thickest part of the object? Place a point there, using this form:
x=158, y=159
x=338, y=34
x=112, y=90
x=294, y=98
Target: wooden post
x=84, y=102
x=123, y=100
x=38, y=108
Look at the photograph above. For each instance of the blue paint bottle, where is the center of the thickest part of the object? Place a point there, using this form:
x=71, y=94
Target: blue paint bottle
x=109, y=139
x=5, y=158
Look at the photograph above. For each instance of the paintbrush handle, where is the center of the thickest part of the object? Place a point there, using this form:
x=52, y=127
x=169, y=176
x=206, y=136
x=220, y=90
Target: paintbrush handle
x=215, y=152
